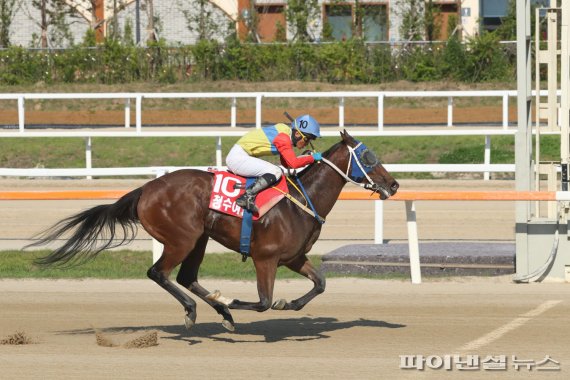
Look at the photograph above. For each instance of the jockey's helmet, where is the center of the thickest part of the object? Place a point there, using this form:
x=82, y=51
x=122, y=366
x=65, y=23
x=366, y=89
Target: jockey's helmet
x=307, y=125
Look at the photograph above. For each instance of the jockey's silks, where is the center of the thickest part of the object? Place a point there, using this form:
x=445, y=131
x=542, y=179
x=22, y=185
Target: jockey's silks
x=259, y=142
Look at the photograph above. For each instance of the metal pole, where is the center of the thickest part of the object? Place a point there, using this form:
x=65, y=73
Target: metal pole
x=565, y=94
x=523, y=136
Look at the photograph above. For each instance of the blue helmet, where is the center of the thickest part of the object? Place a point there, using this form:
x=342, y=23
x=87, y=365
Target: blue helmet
x=307, y=124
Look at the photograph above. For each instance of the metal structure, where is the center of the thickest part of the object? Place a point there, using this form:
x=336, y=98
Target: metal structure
x=542, y=233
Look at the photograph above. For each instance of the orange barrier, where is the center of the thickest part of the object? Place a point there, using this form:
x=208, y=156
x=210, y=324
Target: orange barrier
x=413, y=195
x=403, y=195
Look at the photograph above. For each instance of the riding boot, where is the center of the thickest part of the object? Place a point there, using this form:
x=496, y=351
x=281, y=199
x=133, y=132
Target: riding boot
x=247, y=200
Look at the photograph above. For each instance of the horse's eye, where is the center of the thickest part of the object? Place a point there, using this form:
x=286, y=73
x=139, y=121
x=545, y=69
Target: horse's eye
x=368, y=158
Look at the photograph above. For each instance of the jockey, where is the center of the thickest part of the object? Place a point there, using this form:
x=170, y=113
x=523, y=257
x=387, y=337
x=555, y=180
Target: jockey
x=278, y=139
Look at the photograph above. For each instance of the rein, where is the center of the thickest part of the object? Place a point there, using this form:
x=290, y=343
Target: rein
x=353, y=155
x=298, y=203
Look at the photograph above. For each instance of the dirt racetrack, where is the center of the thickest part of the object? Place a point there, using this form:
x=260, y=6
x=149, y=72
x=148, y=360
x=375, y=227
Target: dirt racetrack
x=357, y=329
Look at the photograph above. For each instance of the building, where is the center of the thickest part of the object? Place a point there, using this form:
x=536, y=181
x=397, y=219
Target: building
x=178, y=21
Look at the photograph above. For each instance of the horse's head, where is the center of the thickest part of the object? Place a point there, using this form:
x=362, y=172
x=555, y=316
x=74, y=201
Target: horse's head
x=365, y=168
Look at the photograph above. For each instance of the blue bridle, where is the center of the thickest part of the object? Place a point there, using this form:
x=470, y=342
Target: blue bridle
x=362, y=161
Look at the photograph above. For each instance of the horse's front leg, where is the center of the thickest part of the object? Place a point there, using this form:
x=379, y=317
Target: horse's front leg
x=265, y=271
x=303, y=266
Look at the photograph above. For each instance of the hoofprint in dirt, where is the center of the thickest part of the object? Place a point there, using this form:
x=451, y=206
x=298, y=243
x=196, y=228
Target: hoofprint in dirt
x=357, y=329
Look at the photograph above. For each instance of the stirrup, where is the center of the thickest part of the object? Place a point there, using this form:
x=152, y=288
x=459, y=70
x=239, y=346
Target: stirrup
x=247, y=201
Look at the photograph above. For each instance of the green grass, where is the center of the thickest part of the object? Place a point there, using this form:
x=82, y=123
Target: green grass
x=126, y=264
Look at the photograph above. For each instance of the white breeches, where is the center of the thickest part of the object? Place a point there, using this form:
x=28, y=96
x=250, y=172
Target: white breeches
x=241, y=163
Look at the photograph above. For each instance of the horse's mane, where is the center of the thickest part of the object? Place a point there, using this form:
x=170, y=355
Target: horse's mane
x=325, y=154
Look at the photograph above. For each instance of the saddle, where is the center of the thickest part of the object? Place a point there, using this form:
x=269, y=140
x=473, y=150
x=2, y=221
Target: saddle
x=228, y=187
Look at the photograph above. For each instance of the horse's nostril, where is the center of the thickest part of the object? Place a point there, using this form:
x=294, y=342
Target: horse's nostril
x=395, y=186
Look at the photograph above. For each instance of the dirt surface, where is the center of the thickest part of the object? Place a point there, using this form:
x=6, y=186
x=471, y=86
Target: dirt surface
x=357, y=329
x=326, y=116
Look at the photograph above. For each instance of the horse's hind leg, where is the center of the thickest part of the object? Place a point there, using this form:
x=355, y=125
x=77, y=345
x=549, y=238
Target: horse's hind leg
x=303, y=266
x=188, y=278
x=160, y=272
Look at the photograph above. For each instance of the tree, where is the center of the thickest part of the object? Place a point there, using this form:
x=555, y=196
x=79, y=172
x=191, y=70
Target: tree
x=7, y=11
x=432, y=23
x=151, y=35
x=53, y=22
x=299, y=13
x=201, y=19
x=411, y=13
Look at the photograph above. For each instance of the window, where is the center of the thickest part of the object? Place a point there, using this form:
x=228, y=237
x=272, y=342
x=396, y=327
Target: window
x=492, y=11
x=375, y=23
x=341, y=21
x=339, y=18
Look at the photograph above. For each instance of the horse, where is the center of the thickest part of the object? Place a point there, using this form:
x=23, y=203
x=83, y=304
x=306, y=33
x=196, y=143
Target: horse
x=174, y=209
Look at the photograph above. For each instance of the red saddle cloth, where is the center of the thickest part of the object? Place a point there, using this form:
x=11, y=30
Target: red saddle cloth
x=224, y=194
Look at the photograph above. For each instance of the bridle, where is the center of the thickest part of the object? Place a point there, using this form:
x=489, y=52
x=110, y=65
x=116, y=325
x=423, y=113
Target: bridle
x=355, y=162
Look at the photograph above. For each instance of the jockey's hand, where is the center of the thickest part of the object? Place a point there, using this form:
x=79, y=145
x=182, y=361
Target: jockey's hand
x=317, y=156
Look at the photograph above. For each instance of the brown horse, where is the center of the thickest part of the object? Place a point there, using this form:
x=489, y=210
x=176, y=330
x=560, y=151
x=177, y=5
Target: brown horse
x=174, y=210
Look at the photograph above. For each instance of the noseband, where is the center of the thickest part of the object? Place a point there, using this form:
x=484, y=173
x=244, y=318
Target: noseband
x=359, y=170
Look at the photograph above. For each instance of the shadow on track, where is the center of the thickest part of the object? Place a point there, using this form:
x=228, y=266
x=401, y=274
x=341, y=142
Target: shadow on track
x=268, y=331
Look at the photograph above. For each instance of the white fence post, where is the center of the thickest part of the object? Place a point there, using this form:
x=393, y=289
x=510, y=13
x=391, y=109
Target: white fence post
x=505, y=111
x=378, y=222
x=128, y=113
x=341, y=112
x=381, y=112
x=21, y=113
x=233, y=116
x=450, y=111
x=413, y=243
x=219, y=152
x=139, y=113
x=258, y=111
x=486, y=175
x=88, y=155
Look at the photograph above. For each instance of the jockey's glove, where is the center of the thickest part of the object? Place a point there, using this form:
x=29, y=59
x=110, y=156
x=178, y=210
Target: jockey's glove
x=317, y=156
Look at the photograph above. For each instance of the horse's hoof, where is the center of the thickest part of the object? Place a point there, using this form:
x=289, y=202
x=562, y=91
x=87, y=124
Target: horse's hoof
x=189, y=322
x=228, y=325
x=279, y=304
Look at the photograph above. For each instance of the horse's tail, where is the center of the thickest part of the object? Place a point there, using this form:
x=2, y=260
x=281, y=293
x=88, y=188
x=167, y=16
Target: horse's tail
x=92, y=231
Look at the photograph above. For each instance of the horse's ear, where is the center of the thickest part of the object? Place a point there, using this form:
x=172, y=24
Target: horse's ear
x=345, y=136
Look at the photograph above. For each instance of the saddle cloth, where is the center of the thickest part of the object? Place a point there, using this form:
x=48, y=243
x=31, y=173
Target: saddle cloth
x=224, y=194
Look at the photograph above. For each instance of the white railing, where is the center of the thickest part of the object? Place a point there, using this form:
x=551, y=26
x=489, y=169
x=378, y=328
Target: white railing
x=219, y=133
x=380, y=96
x=89, y=171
